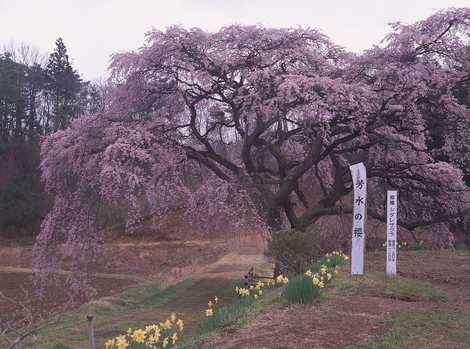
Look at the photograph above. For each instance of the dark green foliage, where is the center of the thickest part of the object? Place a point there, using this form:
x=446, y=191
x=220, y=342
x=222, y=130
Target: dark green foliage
x=34, y=101
x=23, y=203
x=63, y=86
x=301, y=290
x=294, y=250
x=19, y=89
x=331, y=262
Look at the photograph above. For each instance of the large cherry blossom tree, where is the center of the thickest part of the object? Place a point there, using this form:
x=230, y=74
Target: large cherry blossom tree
x=260, y=125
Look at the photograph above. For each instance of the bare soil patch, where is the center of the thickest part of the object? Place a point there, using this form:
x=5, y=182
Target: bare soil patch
x=122, y=264
x=346, y=319
x=20, y=288
x=329, y=325
x=447, y=270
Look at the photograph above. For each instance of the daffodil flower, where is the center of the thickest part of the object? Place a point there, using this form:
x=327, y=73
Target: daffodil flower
x=139, y=336
x=180, y=325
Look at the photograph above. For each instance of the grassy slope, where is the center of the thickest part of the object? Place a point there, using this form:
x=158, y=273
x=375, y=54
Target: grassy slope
x=435, y=323
x=422, y=310
x=424, y=329
x=149, y=303
x=425, y=316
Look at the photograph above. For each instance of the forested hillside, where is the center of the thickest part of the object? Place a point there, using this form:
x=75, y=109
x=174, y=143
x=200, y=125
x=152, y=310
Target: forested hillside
x=38, y=95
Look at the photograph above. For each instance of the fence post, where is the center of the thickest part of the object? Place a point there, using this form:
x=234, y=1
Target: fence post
x=91, y=333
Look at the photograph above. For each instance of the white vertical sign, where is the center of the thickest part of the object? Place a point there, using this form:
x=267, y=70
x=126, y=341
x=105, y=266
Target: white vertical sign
x=359, y=177
x=391, y=263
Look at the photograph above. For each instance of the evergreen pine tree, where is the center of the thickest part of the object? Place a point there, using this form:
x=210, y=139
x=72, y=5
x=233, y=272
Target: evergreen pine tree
x=63, y=88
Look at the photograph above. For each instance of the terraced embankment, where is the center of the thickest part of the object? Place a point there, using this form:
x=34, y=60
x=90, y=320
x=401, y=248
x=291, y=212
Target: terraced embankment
x=148, y=303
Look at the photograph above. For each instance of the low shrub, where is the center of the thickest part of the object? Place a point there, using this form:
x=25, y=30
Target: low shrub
x=331, y=260
x=294, y=250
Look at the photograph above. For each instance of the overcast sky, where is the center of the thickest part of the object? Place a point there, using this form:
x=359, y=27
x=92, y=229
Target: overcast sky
x=93, y=29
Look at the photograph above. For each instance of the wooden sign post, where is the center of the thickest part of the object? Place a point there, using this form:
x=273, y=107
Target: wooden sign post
x=359, y=177
x=391, y=262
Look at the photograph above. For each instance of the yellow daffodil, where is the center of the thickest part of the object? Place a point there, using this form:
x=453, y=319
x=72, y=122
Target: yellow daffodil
x=209, y=312
x=165, y=343
x=109, y=344
x=138, y=336
x=121, y=342
x=180, y=325
x=174, y=338
x=328, y=276
x=157, y=335
x=166, y=325
x=243, y=292
x=152, y=339
x=321, y=284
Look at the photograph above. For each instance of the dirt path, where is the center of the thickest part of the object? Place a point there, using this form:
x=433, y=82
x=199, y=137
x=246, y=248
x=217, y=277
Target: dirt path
x=332, y=325
x=188, y=299
x=189, y=303
x=356, y=312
